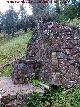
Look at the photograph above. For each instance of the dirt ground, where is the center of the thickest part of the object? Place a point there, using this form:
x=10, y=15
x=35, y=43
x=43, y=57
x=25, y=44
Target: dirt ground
x=7, y=87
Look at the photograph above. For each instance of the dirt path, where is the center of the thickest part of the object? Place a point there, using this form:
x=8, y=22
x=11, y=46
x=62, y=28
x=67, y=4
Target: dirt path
x=7, y=87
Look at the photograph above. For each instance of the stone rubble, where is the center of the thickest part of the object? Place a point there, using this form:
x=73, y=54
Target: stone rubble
x=15, y=95
x=56, y=47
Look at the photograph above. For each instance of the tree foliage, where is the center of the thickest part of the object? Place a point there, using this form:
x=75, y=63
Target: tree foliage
x=65, y=10
x=43, y=10
x=0, y=21
x=10, y=21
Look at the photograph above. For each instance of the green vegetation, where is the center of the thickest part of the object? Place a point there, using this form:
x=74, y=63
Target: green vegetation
x=75, y=22
x=55, y=98
x=12, y=48
x=35, y=82
x=69, y=12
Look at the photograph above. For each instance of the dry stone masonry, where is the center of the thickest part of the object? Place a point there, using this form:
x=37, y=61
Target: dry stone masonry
x=23, y=71
x=53, y=55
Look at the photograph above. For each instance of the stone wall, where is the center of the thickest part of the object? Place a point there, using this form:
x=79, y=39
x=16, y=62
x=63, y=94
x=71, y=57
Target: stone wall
x=23, y=71
x=57, y=48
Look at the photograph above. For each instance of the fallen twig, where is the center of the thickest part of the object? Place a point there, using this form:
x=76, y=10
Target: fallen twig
x=44, y=85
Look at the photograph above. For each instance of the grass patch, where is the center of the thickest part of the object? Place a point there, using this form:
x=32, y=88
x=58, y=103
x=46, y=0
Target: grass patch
x=6, y=71
x=73, y=97
x=74, y=22
x=11, y=48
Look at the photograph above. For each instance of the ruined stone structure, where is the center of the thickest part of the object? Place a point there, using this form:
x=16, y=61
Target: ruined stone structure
x=56, y=49
x=23, y=71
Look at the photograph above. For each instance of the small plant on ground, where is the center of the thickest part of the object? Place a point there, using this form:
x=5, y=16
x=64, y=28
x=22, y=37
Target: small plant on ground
x=48, y=99
x=55, y=98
